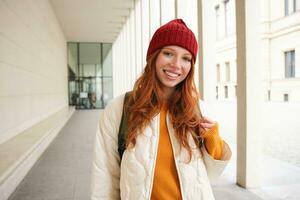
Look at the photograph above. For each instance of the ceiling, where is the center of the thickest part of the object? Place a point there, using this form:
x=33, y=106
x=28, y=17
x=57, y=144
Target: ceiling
x=92, y=20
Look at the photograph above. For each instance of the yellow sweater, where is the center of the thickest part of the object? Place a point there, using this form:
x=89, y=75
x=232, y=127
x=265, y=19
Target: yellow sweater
x=213, y=142
x=166, y=184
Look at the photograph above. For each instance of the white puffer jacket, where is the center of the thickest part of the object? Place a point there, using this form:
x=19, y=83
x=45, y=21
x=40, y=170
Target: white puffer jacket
x=133, y=180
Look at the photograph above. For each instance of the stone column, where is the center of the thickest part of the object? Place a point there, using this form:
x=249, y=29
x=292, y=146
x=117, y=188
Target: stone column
x=206, y=55
x=265, y=47
x=249, y=88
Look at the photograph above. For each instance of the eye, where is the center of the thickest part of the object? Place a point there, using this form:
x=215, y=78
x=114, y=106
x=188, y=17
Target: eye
x=187, y=59
x=167, y=53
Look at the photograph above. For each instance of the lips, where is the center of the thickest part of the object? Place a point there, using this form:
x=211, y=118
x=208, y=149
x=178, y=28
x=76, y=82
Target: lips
x=171, y=74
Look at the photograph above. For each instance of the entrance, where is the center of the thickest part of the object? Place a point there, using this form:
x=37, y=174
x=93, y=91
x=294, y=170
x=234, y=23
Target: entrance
x=90, y=75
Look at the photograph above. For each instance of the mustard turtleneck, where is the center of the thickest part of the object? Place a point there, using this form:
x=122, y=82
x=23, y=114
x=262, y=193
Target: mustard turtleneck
x=166, y=182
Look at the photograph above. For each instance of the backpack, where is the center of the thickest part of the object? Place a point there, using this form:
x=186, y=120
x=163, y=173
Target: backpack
x=123, y=125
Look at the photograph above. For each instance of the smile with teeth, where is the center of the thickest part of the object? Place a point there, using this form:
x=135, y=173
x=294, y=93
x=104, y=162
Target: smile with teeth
x=170, y=73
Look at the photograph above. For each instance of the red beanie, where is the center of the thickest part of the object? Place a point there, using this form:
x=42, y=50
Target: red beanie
x=174, y=32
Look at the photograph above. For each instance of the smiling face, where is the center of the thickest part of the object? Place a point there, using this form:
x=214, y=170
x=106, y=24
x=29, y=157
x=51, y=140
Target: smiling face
x=173, y=64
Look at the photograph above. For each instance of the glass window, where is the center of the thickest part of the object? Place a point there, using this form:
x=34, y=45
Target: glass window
x=72, y=92
x=289, y=64
x=291, y=6
x=88, y=70
x=286, y=7
x=217, y=10
x=218, y=73
x=99, y=92
x=107, y=59
x=107, y=90
x=72, y=59
x=89, y=58
x=227, y=17
x=286, y=97
x=226, y=91
x=235, y=89
x=227, y=64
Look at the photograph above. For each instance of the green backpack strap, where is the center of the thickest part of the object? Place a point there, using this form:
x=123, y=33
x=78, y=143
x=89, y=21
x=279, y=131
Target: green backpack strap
x=123, y=126
x=200, y=141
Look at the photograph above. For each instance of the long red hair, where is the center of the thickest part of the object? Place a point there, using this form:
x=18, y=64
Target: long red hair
x=147, y=99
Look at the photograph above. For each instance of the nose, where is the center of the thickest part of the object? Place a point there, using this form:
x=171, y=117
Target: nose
x=176, y=62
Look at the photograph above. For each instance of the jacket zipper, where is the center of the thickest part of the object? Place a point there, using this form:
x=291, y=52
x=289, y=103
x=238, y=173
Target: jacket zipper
x=156, y=149
x=176, y=164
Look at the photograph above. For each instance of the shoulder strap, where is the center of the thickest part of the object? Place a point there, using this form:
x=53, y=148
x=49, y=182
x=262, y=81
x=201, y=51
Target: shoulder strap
x=199, y=141
x=123, y=126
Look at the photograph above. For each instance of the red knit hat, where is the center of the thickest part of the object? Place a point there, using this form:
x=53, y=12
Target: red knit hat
x=174, y=32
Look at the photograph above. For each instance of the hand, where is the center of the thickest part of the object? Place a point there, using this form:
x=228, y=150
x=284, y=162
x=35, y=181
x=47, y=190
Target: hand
x=206, y=124
x=209, y=131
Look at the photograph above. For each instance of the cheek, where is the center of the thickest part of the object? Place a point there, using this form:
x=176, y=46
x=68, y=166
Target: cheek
x=187, y=71
x=157, y=64
x=157, y=69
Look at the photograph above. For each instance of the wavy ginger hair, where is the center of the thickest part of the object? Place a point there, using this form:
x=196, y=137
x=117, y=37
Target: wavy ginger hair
x=147, y=99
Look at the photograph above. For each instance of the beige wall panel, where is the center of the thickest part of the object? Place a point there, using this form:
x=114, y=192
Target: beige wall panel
x=33, y=65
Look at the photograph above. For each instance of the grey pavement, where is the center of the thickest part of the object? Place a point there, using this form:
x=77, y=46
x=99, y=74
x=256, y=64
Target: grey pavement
x=63, y=171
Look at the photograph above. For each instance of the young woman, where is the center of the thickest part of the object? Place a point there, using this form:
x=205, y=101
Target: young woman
x=173, y=149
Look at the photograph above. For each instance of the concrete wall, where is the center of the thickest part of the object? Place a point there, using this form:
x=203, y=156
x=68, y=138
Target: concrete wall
x=33, y=65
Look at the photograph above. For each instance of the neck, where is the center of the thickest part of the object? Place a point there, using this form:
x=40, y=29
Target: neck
x=168, y=93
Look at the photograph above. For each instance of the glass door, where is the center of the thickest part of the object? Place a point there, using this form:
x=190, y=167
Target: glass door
x=90, y=75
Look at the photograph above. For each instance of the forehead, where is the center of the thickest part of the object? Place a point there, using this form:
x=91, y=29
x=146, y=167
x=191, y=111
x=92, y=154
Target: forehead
x=176, y=48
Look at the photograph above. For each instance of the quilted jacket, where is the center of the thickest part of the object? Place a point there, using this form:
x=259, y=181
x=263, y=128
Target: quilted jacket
x=132, y=178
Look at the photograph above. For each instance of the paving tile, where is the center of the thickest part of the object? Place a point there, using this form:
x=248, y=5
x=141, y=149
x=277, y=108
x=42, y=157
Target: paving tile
x=233, y=192
x=82, y=187
x=45, y=189
x=63, y=171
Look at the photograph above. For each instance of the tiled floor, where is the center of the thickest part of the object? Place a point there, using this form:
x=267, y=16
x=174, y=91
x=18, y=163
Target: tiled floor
x=63, y=171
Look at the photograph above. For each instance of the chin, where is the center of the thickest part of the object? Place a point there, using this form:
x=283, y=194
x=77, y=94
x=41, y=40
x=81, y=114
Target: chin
x=170, y=85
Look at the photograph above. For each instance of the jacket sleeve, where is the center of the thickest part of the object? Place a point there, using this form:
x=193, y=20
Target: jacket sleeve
x=105, y=173
x=214, y=167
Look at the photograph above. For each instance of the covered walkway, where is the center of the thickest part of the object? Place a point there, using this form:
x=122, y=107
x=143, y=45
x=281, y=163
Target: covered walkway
x=34, y=87
x=63, y=171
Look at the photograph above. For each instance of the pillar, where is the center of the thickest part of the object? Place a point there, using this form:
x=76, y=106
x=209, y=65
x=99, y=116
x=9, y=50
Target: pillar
x=206, y=55
x=249, y=92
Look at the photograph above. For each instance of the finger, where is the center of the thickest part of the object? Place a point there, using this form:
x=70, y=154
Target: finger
x=202, y=130
x=207, y=120
x=207, y=125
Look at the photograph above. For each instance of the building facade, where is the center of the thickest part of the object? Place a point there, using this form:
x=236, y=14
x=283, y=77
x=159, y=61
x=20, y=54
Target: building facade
x=280, y=40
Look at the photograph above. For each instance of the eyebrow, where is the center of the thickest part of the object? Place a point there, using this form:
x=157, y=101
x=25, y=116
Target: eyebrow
x=169, y=48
